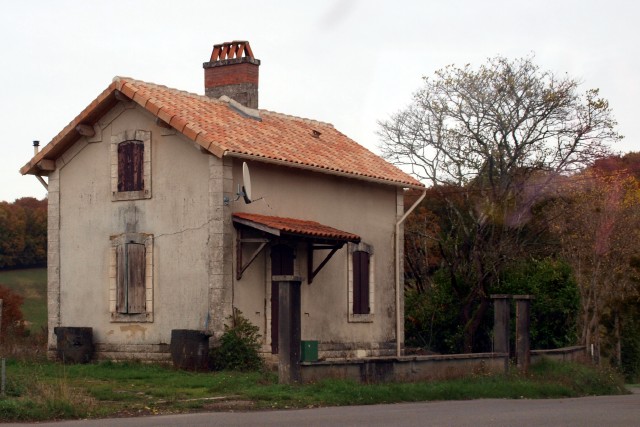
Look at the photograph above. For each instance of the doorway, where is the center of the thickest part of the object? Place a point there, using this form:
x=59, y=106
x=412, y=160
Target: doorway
x=282, y=257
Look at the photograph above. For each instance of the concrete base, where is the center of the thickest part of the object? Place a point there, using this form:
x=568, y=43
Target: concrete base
x=405, y=369
x=565, y=354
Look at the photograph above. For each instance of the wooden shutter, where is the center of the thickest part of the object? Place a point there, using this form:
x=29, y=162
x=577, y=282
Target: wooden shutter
x=121, y=280
x=136, y=278
x=360, y=282
x=131, y=166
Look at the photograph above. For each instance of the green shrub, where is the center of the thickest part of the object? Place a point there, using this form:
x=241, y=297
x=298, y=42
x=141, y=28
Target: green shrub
x=554, y=310
x=239, y=346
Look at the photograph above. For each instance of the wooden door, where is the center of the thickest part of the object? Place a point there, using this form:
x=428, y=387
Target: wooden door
x=281, y=265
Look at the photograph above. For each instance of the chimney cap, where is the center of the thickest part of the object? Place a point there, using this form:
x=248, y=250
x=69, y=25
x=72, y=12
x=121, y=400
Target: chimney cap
x=231, y=50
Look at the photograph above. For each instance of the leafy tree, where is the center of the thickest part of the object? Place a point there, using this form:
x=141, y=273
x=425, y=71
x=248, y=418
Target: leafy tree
x=23, y=233
x=498, y=134
x=421, y=253
x=431, y=315
x=556, y=299
x=12, y=234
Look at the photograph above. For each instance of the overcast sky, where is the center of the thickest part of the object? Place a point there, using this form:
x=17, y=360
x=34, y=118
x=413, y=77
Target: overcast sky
x=347, y=62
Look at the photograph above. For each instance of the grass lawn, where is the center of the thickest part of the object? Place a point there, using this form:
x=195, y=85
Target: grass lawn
x=49, y=390
x=32, y=285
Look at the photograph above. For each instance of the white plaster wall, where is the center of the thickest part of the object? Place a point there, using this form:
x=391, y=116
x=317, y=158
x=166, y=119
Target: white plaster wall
x=176, y=215
x=366, y=209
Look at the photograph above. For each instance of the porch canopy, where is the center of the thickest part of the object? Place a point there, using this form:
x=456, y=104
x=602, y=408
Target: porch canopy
x=318, y=237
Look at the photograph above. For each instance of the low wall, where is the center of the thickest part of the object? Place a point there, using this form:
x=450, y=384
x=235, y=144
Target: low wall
x=406, y=368
x=566, y=354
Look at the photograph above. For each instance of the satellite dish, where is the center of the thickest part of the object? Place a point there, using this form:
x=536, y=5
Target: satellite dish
x=246, y=181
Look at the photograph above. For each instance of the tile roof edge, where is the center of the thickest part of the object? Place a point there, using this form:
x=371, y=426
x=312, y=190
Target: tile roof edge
x=368, y=178
x=262, y=219
x=67, y=131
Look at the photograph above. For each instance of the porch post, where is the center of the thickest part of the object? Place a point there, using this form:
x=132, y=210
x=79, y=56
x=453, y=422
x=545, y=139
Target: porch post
x=523, y=314
x=288, y=328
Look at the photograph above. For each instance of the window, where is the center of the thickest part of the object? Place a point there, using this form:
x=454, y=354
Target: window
x=361, y=283
x=131, y=284
x=131, y=165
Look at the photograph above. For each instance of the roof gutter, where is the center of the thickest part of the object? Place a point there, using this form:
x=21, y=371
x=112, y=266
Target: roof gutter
x=321, y=170
x=397, y=267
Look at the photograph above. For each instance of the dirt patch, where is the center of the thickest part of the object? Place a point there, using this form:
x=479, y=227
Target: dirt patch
x=229, y=405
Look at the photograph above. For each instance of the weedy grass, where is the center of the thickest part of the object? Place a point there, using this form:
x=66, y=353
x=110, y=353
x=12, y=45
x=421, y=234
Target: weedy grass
x=50, y=390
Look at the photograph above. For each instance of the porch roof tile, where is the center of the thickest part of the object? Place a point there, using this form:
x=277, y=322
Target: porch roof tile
x=297, y=226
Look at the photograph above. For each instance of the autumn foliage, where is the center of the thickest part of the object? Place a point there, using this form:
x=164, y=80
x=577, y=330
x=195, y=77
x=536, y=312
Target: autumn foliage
x=12, y=320
x=23, y=233
x=596, y=219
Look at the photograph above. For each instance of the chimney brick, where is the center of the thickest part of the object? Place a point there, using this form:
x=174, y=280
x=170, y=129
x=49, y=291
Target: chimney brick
x=232, y=71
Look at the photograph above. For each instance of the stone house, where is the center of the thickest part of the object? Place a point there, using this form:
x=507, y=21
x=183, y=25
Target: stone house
x=151, y=228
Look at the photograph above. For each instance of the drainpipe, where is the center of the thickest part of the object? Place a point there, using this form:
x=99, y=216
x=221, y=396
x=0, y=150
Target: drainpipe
x=397, y=256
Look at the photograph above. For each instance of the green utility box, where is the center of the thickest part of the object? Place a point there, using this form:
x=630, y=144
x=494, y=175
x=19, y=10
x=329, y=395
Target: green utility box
x=309, y=351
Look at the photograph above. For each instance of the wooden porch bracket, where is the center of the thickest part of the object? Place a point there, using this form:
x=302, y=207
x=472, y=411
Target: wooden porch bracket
x=311, y=248
x=240, y=267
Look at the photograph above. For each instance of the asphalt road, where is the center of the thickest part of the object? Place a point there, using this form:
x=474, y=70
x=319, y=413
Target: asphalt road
x=585, y=411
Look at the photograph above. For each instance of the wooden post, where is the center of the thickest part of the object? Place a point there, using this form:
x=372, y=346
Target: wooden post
x=523, y=321
x=288, y=328
x=501, y=316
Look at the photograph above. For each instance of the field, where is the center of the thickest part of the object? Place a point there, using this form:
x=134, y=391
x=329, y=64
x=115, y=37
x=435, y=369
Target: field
x=32, y=285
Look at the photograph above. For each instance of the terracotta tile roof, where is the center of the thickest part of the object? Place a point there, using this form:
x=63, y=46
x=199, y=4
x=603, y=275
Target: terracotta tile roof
x=225, y=131
x=297, y=226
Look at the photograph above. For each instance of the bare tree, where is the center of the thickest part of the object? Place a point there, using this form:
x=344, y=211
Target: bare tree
x=498, y=133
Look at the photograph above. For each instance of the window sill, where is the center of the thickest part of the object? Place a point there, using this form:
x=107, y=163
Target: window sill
x=130, y=195
x=361, y=318
x=131, y=318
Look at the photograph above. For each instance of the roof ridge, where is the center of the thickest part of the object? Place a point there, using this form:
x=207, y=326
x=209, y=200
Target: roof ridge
x=125, y=79
x=302, y=119
x=221, y=101
x=159, y=86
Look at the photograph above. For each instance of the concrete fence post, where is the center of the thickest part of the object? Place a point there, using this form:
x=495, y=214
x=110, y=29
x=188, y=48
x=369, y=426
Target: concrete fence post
x=501, y=316
x=523, y=322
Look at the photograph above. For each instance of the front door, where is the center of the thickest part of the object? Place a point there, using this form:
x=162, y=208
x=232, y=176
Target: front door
x=281, y=265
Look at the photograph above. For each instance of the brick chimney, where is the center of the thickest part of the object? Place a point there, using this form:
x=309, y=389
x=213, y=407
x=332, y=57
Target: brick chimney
x=232, y=71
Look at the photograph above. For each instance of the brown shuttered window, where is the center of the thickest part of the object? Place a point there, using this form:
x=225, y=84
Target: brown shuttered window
x=131, y=273
x=131, y=166
x=361, y=282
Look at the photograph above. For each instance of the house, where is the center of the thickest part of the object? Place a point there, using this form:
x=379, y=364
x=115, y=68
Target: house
x=150, y=228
